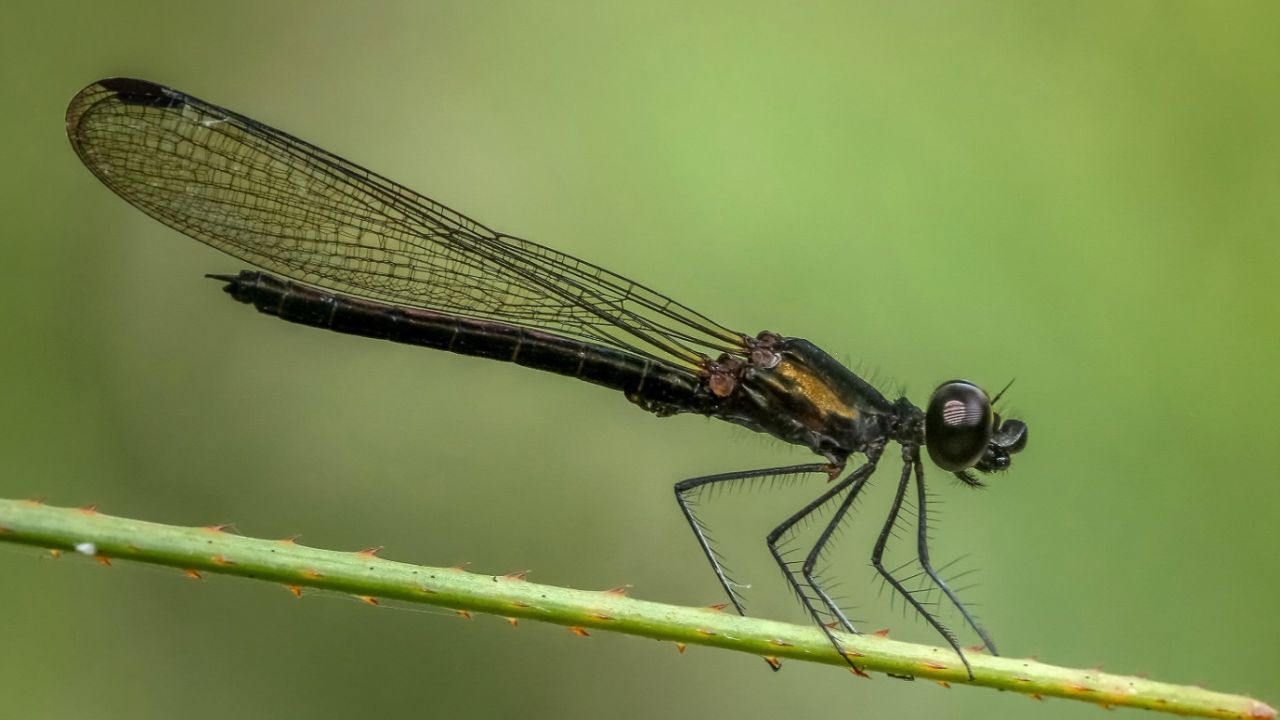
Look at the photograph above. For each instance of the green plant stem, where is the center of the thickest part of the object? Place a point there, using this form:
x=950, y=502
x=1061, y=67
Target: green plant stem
x=363, y=574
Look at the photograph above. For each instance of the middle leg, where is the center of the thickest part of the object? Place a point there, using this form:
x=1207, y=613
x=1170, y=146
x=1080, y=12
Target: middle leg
x=803, y=581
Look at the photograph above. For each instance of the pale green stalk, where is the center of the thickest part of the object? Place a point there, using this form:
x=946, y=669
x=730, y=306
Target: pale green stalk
x=363, y=574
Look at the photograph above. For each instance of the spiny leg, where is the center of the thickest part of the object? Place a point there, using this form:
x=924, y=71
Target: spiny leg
x=855, y=480
x=811, y=562
x=922, y=550
x=858, y=481
x=685, y=487
x=910, y=457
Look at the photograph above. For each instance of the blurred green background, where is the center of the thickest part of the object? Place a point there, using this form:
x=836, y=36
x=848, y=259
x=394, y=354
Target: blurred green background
x=1080, y=195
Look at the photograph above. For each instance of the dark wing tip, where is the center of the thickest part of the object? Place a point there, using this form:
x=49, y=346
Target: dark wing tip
x=130, y=85
x=140, y=92
x=128, y=91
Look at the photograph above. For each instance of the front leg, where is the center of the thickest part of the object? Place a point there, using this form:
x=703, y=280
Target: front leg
x=910, y=459
x=922, y=553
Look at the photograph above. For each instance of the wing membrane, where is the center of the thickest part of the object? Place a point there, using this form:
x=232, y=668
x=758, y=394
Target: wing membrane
x=296, y=210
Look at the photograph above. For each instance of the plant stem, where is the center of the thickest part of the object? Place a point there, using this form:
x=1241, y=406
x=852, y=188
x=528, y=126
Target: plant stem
x=364, y=574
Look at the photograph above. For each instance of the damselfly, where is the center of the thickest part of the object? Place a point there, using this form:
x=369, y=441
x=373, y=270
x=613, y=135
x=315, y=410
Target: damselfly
x=343, y=248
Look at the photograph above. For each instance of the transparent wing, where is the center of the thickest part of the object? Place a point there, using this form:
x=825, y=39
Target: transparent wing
x=296, y=210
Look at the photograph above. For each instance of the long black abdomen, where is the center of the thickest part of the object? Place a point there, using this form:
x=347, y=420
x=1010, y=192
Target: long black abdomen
x=652, y=384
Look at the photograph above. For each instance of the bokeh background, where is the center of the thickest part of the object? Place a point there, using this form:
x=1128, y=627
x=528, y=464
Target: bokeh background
x=1082, y=196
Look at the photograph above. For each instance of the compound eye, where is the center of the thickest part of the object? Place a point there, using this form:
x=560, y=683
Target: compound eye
x=957, y=425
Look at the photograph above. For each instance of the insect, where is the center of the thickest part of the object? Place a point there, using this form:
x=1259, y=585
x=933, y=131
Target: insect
x=343, y=248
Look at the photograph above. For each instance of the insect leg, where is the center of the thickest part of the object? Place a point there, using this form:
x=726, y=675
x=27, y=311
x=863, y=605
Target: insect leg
x=922, y=549
x=684, y=491
x=910, y=457
x=859, y=478
x=801, y=581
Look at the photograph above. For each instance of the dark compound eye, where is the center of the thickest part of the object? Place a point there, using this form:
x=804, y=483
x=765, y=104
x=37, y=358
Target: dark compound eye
x=957, y=425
